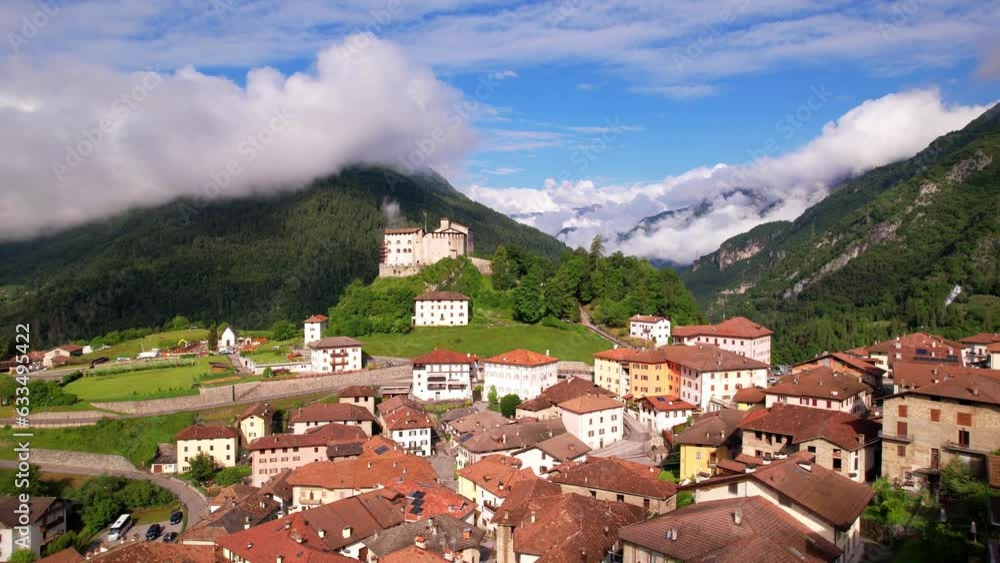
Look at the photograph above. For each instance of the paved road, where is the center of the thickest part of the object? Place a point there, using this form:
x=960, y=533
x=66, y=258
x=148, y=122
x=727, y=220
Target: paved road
x=197, y=505
x=635, y=446
x=585, y=321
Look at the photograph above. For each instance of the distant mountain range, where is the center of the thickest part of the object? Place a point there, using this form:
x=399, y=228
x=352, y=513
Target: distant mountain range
x=881, y=254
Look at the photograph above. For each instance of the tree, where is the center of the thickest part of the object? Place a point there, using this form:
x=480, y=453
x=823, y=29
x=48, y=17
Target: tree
x=232, y=475
x=529, y=306
x=509, y=404
x=202, y=467
x=23, y=556
x=32, y=480
x=493, y=396
x=213, y=338
x=180, y=322
x=283, y=330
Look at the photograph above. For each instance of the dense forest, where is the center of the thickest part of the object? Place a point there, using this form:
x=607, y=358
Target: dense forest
x=248, y=261
x=878, y=257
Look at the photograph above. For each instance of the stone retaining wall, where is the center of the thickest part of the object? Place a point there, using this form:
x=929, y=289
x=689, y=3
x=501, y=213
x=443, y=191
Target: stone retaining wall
x=81, y=459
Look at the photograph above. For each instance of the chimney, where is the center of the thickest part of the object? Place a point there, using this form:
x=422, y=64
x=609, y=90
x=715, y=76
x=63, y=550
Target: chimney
x=347, y=532
x=246, y=522
x=420, y=542
x=298, y=538
x=369, y=465
x=467, y=533
x=738, y=517
x=279, y=559
x=532, y=516
x=546, y=351
x=806, y=464
x=250, y=545
x=583, y=555
x=975, y=389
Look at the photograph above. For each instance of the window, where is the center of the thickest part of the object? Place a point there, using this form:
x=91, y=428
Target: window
x=901, y=451
x=620, y=498
x=784, y=500
x=901, y=428
x=837, y=464
x=902, y=411
x=593, y=494
x=964, y=419
x=935, y=415
x=734, y=489
x=963, y=438
x=811, y=449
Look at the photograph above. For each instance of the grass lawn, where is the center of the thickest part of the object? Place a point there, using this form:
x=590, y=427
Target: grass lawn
x=134, y=438
x=8, y=411
x=161, y=340
x=227, y=414
x=491, y=332
x=63, y=482
x=155, y=514
x=138, y=385
x=272, y=352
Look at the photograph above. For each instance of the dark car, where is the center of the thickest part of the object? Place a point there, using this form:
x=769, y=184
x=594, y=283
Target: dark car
x=170, y=537
x=176, y=517
x=153, y=532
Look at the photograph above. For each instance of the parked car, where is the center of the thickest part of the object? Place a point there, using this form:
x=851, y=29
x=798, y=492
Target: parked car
x=153, y=532
x=176, y=517
x=170, y=537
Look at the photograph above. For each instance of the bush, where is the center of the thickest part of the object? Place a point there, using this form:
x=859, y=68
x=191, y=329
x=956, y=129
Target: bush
x=684, y=498
x=202, y=468
x=232, y=475
x=67, y=379
x=23, y=556
x=509, y=404
x=60, y=543
x=553, y=322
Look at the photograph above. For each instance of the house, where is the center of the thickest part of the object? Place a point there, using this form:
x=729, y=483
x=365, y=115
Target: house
x=520, y=372
x=976, y=346
x=359, y=395
x=323, y=482
x=823, y=501
x=700, y=374
x=865, y=370
x=749, y=397
x=271, y=455
x=550, y=453
x=546, y=405
x=650, y=327
x=228, y=339
x=61, y=354
x=441, y=308
x=331, y=533
x=913, y=375
x=738, y=334
x=443, y=375
x=994, y=351
x=313, y=328
x=318, y=414
x=444, y=536
x=611, y=478
x=711, y=438
x=488, y=482
x=426, y=499
x=915, y=347
x=474, y=421
x=161, y=552
x=742, y=529
x=562, y=528
x=661, y=413
x=470, y=448
x=68, y=555
x=840, y=441
x=30, y=522
x=821, y=388
x=407, y=251
x=335, y=354
x=256, y=421
x=277, y=489
x=410, y=428
x=611, y=369
x=219, y=442
x=230, y=495
x=396, y=402
x=238, y=513
x=927, y=427
x=165, y=460
x=596, y=420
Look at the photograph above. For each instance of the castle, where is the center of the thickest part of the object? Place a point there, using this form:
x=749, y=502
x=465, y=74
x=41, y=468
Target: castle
x=406, y=251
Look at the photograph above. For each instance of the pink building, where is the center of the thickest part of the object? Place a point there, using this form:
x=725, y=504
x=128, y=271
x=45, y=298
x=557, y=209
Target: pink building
x=273, y=454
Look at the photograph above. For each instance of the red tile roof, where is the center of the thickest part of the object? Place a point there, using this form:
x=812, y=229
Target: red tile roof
x=68, y=555
x=820, y=383
x=712, y=429
x=436, y=499
x=909, y=344
x=666, y=403
x=709, y=531
x=647, y=318
x=159, y=552
x=521, y=357
x=614, y=474
x=700, y=358
x=402, y=230
x=335, y=342
x=317, y=319
x=262, y=410
x=571, y=388
x=407, y=418
x=443, y=357
x=331, y=412
x=736, y=327
x=328, y=434
x=442, y=296
x=363, y=473
x=590, y=403
x=981, y=338
x=618, y=354
x=910, y=375
x=412, y=554
x=199, y=432
x=357, y=391
x=397, y=402
x=749, y=395
x=803, y=424
x=977, y=388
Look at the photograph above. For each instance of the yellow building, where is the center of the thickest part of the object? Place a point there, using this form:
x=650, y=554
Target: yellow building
x=712, y=438
x=220, y=442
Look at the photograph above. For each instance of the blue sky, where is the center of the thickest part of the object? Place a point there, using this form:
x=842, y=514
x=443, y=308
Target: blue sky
x=621, y=97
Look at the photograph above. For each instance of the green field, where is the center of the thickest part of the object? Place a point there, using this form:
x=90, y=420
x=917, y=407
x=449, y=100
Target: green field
x=161, y=340
x=272, y=352
x=143, y=384
x=491, y=332
x=134, y=438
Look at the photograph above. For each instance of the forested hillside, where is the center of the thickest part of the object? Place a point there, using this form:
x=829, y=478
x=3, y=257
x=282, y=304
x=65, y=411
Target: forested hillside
x=879, y=256
x=246, y=261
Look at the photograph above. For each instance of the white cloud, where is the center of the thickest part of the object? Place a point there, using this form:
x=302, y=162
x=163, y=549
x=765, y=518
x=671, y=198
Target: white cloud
x=504, y=75
x=874, y=133
x=374, y=106
x=680, y=92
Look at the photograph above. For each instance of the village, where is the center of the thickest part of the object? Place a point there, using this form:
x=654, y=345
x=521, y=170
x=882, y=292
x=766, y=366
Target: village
x=675, y=443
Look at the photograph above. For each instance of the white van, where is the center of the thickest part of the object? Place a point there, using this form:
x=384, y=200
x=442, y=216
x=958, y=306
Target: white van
x=120, y=527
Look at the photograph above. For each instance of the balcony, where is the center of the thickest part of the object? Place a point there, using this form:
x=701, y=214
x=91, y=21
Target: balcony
x=965, y=448
x=305, y=501
x=895, y=437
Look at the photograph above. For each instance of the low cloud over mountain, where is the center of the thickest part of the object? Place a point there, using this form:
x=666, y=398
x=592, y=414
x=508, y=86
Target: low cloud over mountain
x=683, y=217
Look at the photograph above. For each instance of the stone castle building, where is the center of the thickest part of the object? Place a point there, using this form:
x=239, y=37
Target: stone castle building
x=405, y=252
